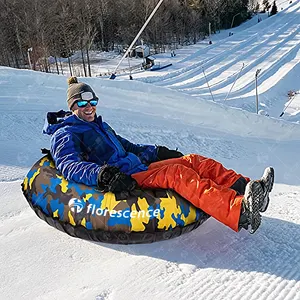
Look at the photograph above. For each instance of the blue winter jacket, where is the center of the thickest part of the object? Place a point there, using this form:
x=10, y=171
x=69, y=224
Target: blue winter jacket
x=80, y=148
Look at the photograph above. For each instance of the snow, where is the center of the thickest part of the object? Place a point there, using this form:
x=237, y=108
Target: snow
x=212, y=262
x=229, y=65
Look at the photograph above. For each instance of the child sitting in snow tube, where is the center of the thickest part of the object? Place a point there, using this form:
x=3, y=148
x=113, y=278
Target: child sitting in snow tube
x=87, y=151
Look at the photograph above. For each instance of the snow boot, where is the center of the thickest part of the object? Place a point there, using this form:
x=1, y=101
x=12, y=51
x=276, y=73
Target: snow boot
x=266, y=181
x=252, y=201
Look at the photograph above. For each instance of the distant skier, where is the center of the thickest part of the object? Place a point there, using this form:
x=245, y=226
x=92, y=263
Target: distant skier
x=87, y=150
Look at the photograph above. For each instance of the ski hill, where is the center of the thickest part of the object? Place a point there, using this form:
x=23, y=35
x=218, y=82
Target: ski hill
x=227, y=68
x=166, y=108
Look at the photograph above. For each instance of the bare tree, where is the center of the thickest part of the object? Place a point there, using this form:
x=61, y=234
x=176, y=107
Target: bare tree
x=59, y=28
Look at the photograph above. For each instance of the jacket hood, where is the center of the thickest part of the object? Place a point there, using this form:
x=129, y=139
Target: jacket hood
x=57, y=120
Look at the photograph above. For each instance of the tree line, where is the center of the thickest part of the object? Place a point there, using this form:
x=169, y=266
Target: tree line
x=58, y=28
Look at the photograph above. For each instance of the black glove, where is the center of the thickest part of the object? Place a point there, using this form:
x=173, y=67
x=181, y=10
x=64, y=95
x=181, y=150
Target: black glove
x=165, y=153
x=111, y=179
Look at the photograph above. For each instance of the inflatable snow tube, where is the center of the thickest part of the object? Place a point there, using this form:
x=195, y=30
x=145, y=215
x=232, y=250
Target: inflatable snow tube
x=144, y=216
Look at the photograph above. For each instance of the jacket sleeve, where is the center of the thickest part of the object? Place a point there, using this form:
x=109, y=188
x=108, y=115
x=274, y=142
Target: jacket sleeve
x=146, y=153
x=67, y=158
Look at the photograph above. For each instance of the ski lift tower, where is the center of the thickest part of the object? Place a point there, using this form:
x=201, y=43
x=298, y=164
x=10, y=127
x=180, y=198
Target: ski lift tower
x=256, y=88
x=29, y=58
x=113, y=75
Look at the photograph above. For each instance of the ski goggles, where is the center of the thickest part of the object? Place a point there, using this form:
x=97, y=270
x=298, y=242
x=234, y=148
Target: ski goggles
x=84, y=103
x=86, y=97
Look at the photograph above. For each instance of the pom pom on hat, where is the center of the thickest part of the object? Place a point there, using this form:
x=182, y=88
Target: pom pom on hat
x=72, y=79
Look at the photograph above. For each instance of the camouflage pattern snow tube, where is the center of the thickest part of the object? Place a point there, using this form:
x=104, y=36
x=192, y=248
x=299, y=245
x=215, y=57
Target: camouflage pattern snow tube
x=145, y=216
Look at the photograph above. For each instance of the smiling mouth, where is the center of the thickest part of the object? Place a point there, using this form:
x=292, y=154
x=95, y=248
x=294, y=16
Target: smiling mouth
x=88, y=113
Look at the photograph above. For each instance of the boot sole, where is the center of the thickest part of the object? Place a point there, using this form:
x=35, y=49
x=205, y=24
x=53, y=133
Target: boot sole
x=254, y=196
x=269, y=186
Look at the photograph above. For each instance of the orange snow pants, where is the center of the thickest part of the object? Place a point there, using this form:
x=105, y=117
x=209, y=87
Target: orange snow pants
x=202, y=181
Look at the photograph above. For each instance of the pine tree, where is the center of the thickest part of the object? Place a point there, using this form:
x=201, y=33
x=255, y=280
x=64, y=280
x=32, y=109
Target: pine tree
x=257, y=7
x=274, y=9
x=266, y=5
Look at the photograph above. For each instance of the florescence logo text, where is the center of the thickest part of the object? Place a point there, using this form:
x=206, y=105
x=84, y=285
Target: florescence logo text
x=77, y=206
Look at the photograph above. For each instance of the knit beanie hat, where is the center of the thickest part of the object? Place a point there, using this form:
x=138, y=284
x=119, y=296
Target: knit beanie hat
x=75, y=90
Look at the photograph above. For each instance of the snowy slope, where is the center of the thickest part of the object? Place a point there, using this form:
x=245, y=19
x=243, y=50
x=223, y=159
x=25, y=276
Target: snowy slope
x=212, y=262
x=39, y=262
x=229, y=65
